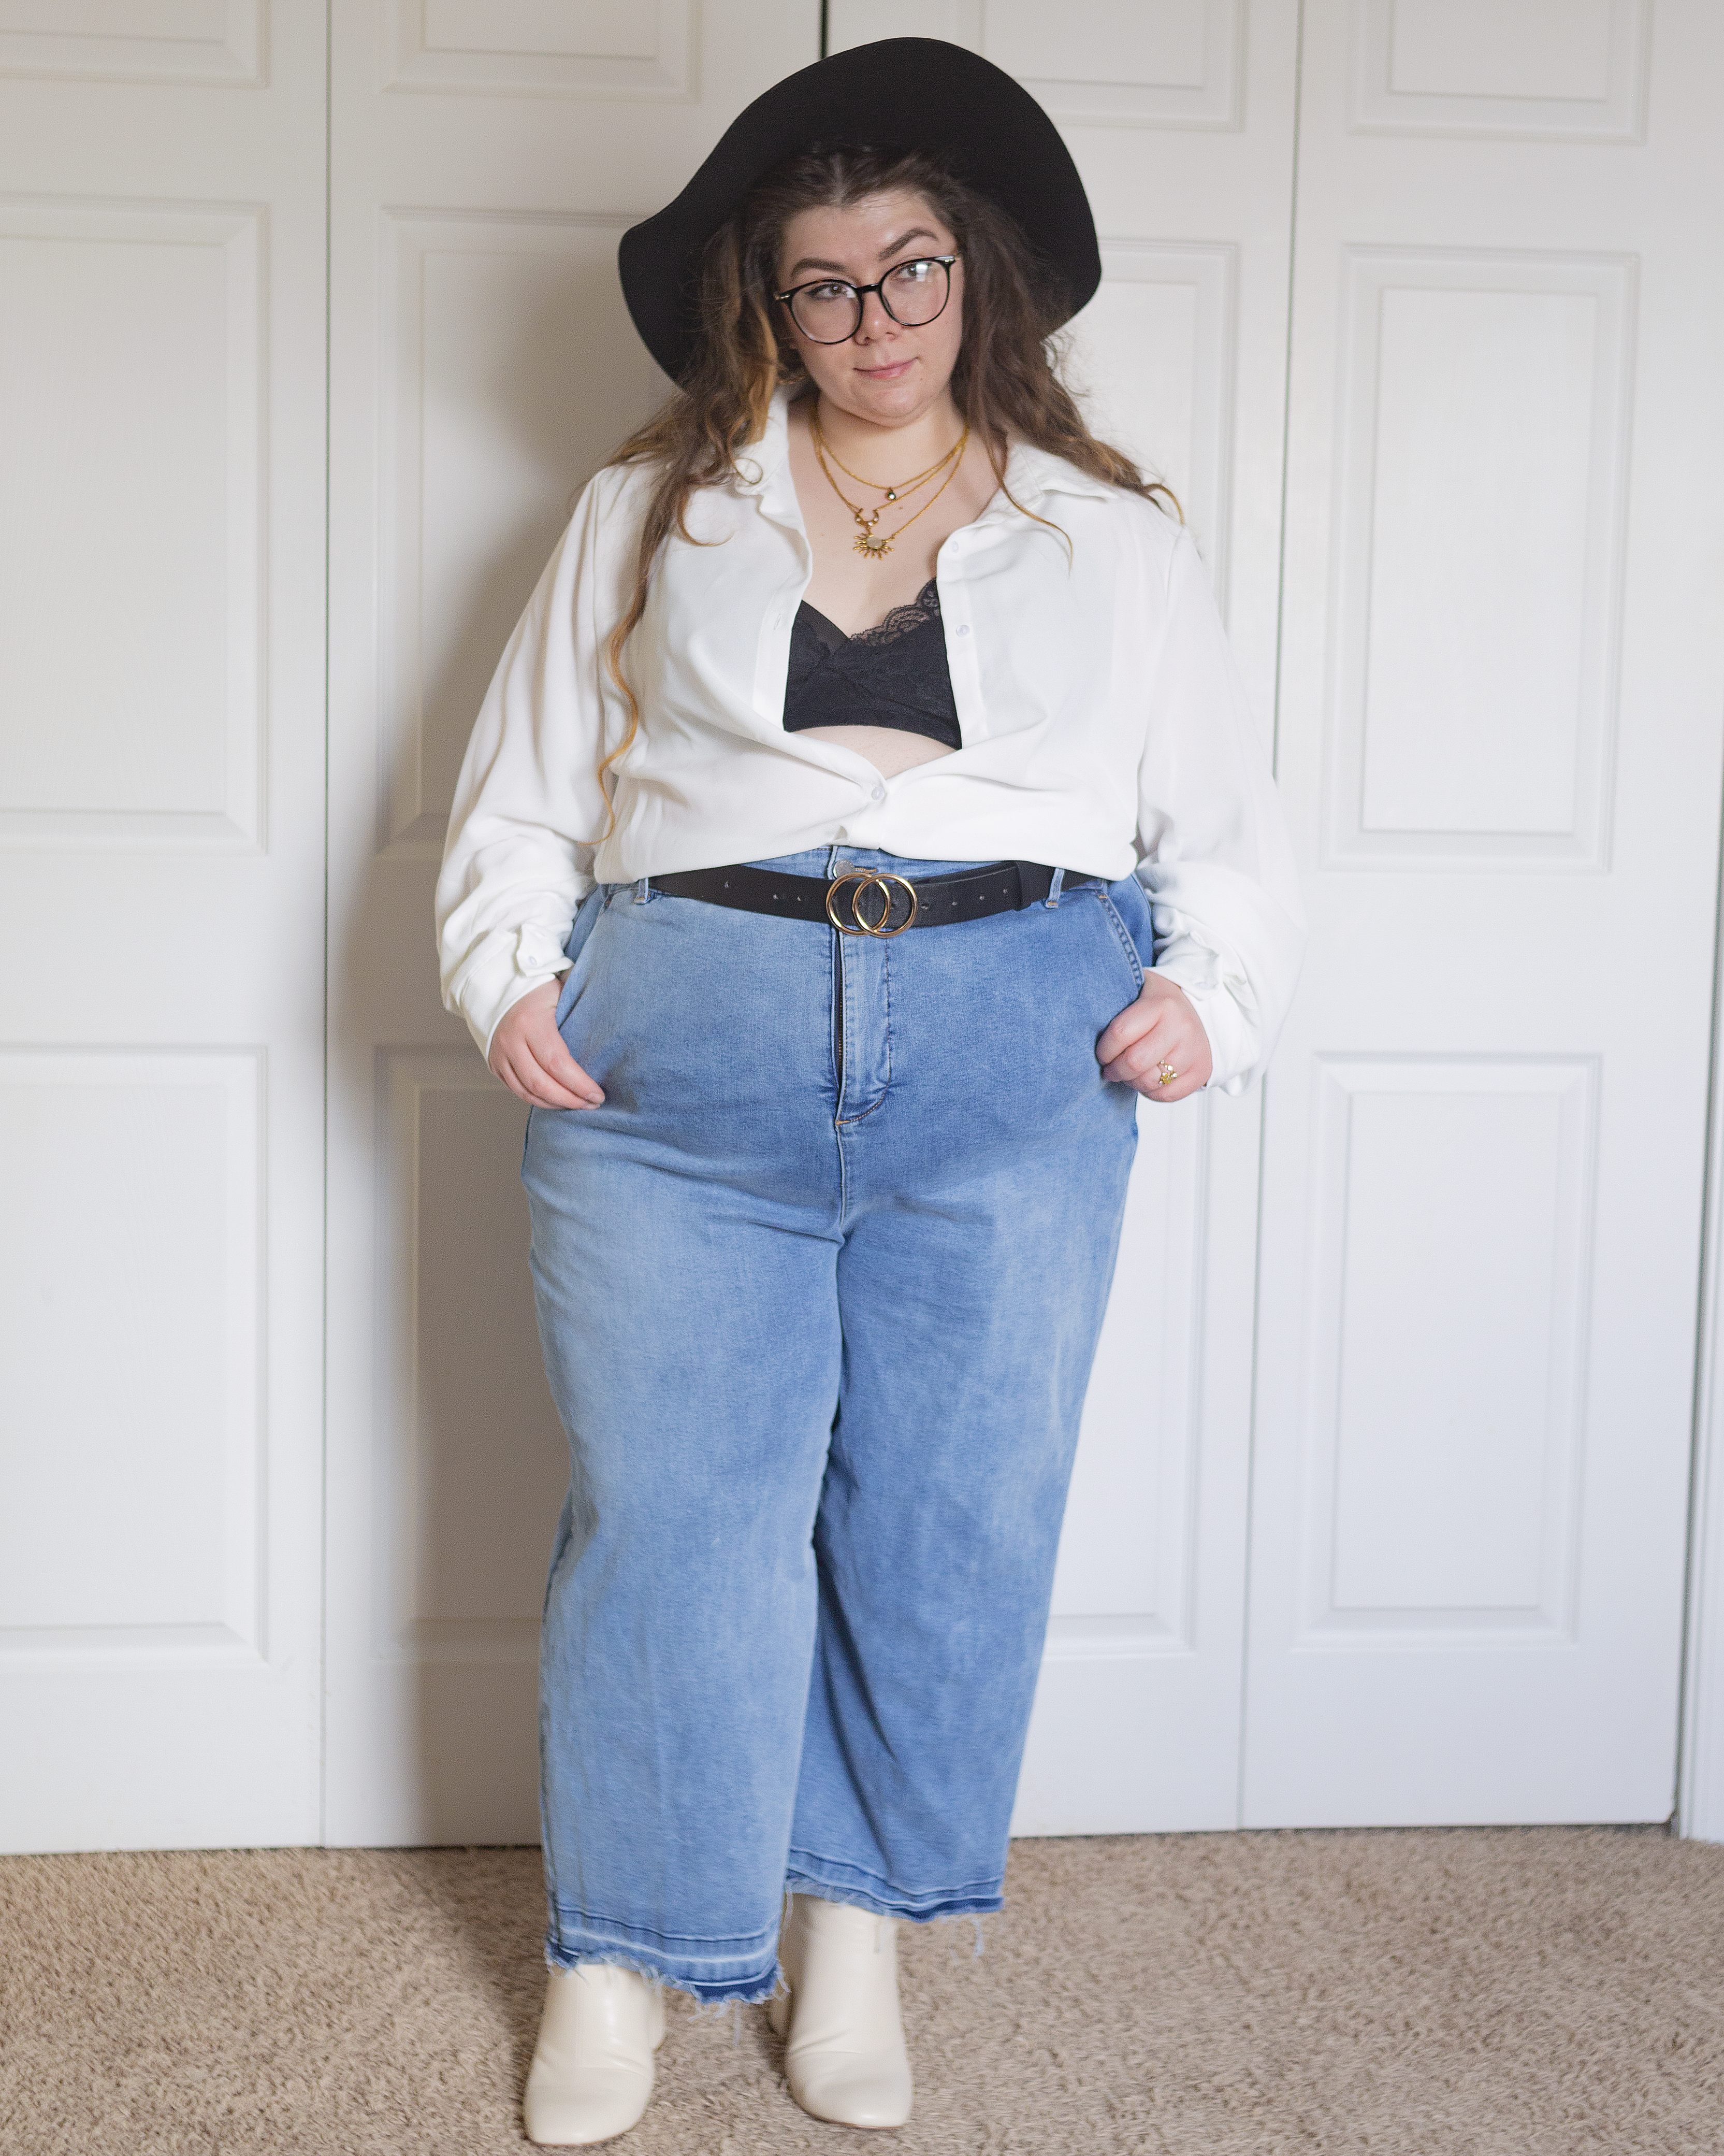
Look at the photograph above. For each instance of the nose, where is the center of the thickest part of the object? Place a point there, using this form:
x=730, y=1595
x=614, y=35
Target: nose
x=875, y=321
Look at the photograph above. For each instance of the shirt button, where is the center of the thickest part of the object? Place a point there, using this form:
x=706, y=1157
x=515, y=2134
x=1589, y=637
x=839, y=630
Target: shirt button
x=965, y=630
x=880, y=793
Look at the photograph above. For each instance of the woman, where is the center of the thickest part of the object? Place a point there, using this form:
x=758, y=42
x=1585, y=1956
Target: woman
x=865, y=812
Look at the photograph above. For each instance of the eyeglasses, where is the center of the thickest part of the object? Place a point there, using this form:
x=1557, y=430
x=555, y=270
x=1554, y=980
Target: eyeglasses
x=912, y=293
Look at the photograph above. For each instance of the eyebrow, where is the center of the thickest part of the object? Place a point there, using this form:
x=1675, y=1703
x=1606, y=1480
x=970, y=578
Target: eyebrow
x=903, y=240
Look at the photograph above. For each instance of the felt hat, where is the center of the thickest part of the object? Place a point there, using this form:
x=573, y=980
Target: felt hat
x=900, y=94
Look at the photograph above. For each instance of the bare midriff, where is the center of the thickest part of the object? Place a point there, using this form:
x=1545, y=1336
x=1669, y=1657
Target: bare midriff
x=889, y=749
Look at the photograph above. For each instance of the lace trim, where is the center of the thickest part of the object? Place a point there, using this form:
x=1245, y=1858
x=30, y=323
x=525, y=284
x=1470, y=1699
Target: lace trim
x=916, y=613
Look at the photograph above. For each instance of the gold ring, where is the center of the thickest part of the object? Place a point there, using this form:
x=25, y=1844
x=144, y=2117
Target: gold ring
x=1168, y=1074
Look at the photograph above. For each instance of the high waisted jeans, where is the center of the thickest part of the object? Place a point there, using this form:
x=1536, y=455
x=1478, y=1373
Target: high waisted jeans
x=819, y=1287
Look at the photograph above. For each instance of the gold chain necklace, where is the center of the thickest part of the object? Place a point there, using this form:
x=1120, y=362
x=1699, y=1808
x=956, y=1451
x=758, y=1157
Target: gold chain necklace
x=877, y=549
x=904, y=485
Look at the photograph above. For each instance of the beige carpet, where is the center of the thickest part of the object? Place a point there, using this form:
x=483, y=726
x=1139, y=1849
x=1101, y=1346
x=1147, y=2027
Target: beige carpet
x=1507, y=1993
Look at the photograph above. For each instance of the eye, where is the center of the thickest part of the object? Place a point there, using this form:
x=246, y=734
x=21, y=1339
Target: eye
x=828, y=291
x=909, y=275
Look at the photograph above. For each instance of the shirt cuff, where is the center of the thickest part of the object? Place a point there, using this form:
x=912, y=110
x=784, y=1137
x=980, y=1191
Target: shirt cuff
x=1232, y=1043
x=508, y=965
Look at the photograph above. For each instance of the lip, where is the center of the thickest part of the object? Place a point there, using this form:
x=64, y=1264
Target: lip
x=886, y=373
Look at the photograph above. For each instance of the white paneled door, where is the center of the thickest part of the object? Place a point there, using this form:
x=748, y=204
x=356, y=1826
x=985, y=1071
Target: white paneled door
x=1380, y=1506
x=161, y=806
x=1181, y=121
x=486, y=160
x=1502, y=677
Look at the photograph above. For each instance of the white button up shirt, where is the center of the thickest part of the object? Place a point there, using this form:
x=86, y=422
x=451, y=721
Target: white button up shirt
x=1104, y=731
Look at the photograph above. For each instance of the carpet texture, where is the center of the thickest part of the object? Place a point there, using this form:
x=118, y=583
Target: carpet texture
x=1527, y=1992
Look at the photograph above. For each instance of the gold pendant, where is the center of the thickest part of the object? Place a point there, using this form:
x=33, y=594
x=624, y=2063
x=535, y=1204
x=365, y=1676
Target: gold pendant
x=873, y=548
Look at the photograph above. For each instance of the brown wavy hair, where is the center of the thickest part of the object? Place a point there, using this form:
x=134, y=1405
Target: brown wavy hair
x=1005, y=385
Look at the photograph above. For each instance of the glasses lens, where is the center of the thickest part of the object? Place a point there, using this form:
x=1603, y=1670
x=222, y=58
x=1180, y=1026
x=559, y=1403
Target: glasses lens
x=915, y=292
x=827, y=313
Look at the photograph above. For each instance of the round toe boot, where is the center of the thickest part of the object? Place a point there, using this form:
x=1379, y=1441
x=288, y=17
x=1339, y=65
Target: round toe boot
x=845, y=2054
x=592, y=2070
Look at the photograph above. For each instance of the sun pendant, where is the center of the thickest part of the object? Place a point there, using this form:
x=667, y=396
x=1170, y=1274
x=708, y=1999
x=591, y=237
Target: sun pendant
x=874, y=548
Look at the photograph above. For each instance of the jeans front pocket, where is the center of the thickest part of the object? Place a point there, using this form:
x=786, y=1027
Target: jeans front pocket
x=1119, y=937
x=579, y=936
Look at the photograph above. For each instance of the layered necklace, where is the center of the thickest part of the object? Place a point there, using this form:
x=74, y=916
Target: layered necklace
x=876, y=549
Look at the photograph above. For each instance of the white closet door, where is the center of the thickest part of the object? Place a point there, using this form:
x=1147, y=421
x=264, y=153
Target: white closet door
x=1502, y=675
x=161, y=755
x=486, y=160
x=1181, y=121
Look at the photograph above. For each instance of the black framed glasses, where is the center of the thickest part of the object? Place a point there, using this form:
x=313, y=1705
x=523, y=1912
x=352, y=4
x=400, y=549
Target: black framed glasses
x=914, y=293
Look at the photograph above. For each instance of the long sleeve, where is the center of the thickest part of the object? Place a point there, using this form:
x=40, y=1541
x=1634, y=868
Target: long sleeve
x=530, y=806
x=1216, y=859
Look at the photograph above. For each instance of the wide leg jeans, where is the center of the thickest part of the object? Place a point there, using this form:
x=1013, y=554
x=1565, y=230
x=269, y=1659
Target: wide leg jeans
x=819, y=1287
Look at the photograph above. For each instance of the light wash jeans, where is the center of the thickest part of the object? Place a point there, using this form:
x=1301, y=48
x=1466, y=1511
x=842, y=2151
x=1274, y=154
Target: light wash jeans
x=818, y=1288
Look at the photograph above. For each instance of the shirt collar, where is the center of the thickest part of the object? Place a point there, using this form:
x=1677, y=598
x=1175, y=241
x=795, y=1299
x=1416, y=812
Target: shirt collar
x=1032, y=471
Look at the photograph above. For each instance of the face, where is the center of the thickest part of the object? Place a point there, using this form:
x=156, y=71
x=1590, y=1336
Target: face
x=886, y=372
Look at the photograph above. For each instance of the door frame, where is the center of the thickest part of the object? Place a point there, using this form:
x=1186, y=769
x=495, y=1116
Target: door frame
x=1700, y=1768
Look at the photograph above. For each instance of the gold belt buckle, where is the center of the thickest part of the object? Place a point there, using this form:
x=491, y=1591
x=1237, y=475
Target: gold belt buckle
x=865, y=879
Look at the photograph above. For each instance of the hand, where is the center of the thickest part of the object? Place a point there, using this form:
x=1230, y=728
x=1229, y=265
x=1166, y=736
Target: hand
x=527, y=1054
x=1161, y=1028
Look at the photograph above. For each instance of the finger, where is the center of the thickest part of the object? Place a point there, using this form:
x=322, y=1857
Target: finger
x=1143, y=1059
x=1128, y=1027
x=1185, y=1051
x=1142, y=1063
x=536, y=1086
x=556, y=1065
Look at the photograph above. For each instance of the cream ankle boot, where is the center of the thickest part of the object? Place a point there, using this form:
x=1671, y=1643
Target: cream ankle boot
x=592, y=2071
x=844, y=2056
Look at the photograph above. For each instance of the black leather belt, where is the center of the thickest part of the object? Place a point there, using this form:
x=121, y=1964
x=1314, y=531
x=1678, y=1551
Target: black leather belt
x=869, y=901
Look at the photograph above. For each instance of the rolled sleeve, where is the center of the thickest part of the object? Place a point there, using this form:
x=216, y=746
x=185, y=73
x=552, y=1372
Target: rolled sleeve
x=530, y=806
x=1215, y=857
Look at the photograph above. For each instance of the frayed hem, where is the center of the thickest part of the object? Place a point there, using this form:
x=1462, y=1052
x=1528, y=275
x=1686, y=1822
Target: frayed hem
x=978, y=1919
x=884, y=1903
x=713, y=1997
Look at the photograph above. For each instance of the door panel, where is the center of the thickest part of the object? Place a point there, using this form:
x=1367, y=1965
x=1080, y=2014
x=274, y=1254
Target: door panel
x=486, y=161
x=162, y=450
x=1180, y=120
x=1485, y=1134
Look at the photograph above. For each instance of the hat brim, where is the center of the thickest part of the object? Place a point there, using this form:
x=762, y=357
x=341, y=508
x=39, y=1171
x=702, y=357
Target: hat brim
x=901, y=92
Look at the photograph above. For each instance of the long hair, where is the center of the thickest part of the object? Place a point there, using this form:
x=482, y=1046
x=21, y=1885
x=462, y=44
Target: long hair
x=1005, y=384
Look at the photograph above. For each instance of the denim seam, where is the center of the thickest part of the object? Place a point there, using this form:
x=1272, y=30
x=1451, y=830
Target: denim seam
x=894, y=1891
x=743, y=1941
x=758, y=1985
x=1124, y=935
x=844, y=1122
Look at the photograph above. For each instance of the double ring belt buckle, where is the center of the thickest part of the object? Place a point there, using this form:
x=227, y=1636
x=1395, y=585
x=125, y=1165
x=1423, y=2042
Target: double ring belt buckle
x=866, y=879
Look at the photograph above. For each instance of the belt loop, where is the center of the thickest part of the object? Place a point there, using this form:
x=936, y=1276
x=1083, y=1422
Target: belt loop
x=1053, y=896
x=642, y=891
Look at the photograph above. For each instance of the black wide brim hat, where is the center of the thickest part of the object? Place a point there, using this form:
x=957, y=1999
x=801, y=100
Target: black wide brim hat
x=900, y=94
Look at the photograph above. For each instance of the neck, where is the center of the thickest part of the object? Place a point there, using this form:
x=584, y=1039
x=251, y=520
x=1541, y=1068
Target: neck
x=887, y=453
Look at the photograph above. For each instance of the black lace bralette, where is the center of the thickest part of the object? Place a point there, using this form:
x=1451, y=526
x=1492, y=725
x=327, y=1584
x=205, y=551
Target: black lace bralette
x=894, y=674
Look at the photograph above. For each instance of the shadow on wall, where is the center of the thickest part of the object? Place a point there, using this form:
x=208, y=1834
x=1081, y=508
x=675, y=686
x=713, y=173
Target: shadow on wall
x=523, y=373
